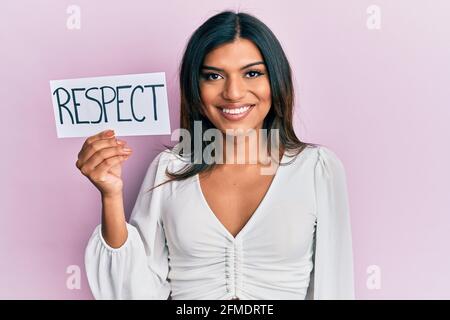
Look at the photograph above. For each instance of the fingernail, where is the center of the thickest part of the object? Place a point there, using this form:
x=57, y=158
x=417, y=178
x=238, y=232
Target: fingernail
x=120, y=142
x=110, y=133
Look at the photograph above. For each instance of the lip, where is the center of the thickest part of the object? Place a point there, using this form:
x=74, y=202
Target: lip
x=235, y=117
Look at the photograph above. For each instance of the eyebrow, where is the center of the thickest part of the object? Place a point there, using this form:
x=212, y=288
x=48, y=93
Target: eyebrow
x=244, y=67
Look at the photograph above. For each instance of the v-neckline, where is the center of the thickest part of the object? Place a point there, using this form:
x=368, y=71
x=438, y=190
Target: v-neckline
x=254, y=214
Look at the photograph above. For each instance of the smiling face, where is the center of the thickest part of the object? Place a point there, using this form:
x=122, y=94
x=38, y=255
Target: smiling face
x=235, y=87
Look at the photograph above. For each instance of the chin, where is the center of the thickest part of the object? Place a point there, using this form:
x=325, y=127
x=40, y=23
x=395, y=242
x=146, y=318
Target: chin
x=238, y=129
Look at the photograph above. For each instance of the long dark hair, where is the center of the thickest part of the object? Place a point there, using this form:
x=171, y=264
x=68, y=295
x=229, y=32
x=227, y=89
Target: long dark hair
x=220, y=29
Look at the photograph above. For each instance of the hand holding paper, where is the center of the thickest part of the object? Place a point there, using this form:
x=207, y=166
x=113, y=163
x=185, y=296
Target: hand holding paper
x=100, y=160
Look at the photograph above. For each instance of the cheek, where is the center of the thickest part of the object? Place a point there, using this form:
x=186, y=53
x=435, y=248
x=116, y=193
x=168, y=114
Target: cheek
x=208, y=93
x=264, y=94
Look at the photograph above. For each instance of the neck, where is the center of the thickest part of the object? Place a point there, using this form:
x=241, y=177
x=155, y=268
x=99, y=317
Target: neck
x=249, y=149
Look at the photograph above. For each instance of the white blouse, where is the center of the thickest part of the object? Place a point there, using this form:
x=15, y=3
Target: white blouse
x=296, y=245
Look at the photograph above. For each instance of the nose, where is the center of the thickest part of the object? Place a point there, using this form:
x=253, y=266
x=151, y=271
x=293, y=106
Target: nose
x=234, y=89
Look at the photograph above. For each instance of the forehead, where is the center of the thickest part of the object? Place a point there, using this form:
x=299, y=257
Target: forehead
x=234, y=55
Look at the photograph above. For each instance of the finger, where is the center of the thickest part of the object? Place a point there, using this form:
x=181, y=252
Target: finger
x=96, y=146
x=102, y=169
x=100, y=156
x=106, y=134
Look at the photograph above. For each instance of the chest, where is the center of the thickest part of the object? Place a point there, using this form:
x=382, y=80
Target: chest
x=200, y=215
x=234, y=197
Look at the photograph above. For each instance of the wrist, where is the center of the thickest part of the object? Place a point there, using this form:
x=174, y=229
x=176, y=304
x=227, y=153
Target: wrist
x=112, y=196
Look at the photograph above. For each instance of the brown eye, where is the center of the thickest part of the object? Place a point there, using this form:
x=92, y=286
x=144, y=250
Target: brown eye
x=254, y=73
x=211, y=76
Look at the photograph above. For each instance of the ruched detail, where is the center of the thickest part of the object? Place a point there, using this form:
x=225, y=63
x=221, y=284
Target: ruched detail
x=233, y=268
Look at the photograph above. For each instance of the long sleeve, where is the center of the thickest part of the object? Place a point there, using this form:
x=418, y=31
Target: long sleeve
x=332, y=275
x=139, y=268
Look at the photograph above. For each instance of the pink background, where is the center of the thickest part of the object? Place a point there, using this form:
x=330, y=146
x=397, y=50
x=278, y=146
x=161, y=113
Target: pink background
x=378, y=98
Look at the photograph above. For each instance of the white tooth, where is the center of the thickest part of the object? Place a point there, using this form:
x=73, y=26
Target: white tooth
x=236, y=110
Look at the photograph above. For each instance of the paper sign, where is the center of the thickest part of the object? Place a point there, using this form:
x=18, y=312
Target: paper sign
x=134, y=104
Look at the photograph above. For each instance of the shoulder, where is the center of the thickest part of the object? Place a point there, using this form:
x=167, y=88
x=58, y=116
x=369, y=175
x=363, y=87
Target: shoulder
x=168, y=160
x=317, y=154
x=328, y=163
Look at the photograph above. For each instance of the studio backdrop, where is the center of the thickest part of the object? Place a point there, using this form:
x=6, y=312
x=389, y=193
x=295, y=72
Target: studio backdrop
x=371, y=83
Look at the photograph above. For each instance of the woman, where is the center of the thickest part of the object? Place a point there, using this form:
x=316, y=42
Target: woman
x=221, y=229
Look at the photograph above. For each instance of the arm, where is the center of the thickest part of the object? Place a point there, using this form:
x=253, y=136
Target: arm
x=114, y=229
x=135, y=266
x=332, y=276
